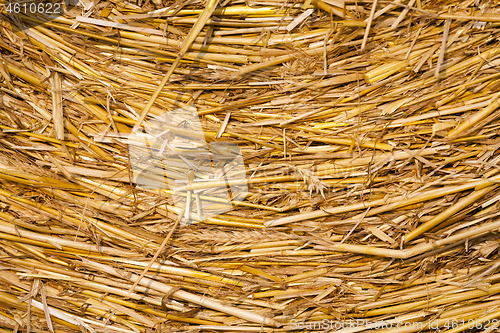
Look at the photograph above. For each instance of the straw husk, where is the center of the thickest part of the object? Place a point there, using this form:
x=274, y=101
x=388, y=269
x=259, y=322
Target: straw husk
x=369, y=133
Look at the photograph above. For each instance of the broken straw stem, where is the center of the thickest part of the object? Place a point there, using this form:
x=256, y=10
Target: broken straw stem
x=443, y=47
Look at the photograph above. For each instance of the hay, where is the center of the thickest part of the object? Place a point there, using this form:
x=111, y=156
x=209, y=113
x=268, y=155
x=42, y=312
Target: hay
x=369, y=133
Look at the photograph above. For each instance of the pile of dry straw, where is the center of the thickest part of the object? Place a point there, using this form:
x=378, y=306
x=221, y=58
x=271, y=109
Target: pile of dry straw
x=369, y=132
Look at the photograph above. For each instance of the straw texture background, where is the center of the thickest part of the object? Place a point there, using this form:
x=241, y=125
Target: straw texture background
x=369, y=131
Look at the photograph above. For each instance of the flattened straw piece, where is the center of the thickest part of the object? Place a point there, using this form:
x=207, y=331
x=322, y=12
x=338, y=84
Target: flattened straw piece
x=385, y=10
x=443, y=47
x=368, y=24
x=331, y=9
x=299, y=19
x=200, y=23
x=381, y=235
x=223, y=125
